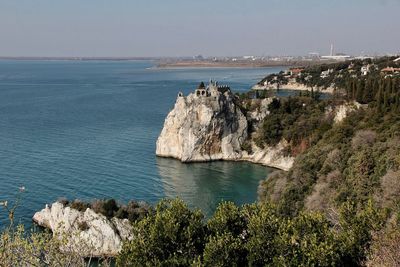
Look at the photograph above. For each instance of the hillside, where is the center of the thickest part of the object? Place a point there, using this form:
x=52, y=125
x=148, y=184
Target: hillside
x=353, y=77
x=354, y=160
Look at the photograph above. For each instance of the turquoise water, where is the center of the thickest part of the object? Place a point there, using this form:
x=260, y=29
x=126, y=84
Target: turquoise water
x=87, y=129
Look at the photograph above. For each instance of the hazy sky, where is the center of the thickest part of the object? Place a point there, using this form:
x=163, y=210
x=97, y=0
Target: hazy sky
x=190, y=27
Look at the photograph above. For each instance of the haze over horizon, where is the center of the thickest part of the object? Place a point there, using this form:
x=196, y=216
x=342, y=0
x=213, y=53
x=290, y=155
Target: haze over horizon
x=121, y=28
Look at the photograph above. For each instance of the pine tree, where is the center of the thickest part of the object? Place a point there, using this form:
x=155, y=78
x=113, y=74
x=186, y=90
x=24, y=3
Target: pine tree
x=359, y=92
x=379, y=100
x=354, y=89
x=348, y=90
x=375, y=87
x=368, y=91
x=386, y=103
x=396, y=106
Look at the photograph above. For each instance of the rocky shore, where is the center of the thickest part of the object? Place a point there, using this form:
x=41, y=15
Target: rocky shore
x=87, y=233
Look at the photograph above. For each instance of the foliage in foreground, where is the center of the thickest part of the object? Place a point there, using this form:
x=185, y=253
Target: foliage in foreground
x=250, y=235
x=253, y=235
x=21, y=248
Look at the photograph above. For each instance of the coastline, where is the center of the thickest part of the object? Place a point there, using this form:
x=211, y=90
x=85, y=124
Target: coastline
x=296, y=86
x=194, y=67
x=243, y=159
x=232, y=64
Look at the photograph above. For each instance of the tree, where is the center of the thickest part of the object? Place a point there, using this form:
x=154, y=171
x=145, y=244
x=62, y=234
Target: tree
x=227, y=219
x=272, y=130
x=174, y=235
x=356, y=231
x=359, y=92
x=224, y=250
x=379, y=100
x=274, y=105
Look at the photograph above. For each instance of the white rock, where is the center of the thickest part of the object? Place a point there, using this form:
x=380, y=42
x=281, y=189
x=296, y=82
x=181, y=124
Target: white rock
x=270, y=156
x=342, y=111
x=203, y=129
x=87, y=233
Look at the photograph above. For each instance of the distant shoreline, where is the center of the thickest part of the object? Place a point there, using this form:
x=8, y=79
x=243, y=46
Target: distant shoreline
x=81, y=58
x=233, y=64
x=194, y=67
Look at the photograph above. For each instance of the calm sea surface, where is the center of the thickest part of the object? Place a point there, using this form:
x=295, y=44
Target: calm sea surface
x=88, y=130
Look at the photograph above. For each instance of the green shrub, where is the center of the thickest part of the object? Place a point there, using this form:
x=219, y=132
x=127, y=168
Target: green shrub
x=224, y=250
x=79, y=205
x=173, y=236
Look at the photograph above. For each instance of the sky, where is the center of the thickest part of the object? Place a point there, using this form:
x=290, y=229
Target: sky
x=129, y=28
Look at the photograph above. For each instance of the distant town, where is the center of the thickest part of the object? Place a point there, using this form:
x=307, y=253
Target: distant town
x=246, y=61
x=310, y=59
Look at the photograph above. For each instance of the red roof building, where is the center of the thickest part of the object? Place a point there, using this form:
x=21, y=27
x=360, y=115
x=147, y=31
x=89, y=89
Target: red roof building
x=390, y=70
x=295, y=71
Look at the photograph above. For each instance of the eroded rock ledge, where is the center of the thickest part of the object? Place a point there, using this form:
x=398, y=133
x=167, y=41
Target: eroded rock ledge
x=88, y=233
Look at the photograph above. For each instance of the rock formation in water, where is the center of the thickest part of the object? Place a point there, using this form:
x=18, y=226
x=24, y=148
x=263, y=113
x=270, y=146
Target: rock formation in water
x=208, y=125
x=88, y=233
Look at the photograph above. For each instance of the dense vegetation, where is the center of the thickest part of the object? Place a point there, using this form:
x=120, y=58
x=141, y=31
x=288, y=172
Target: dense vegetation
x=301, y=121
x=341, y=73
x=133, y=210
x=356, y=160
x=344, y=72
x=250, y=235
x=253, y=235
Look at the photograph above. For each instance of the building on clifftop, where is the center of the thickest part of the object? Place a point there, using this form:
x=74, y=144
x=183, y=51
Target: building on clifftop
x=213, y=89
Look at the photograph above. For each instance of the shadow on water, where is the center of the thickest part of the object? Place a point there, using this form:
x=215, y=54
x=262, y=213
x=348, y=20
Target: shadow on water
x=204, y=185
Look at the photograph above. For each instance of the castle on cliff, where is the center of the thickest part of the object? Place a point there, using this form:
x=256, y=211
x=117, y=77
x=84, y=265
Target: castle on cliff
x=212, y=89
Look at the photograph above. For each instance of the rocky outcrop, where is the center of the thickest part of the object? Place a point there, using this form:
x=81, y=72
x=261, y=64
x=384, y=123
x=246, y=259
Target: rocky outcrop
x=339, y=112
x=88, y=233
x=342, y=111
x=212, y=127
x=257, y=115
x=270, y=156
x=203, y=128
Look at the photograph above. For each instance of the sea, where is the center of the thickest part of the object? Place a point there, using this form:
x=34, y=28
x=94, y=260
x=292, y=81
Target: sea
x=88, y=129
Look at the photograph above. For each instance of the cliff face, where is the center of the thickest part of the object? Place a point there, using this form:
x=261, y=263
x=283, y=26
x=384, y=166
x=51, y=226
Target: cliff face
x=342, y=111
x=212, y=127
x=203, y=128
x=87, y=233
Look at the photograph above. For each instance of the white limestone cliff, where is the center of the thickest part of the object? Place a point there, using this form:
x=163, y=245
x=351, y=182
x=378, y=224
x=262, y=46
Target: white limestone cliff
x=87, y=233
x=207, y=125
x=203, y=129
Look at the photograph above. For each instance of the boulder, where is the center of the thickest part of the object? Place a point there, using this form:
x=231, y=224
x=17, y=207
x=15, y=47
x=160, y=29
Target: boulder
x=88, y=233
